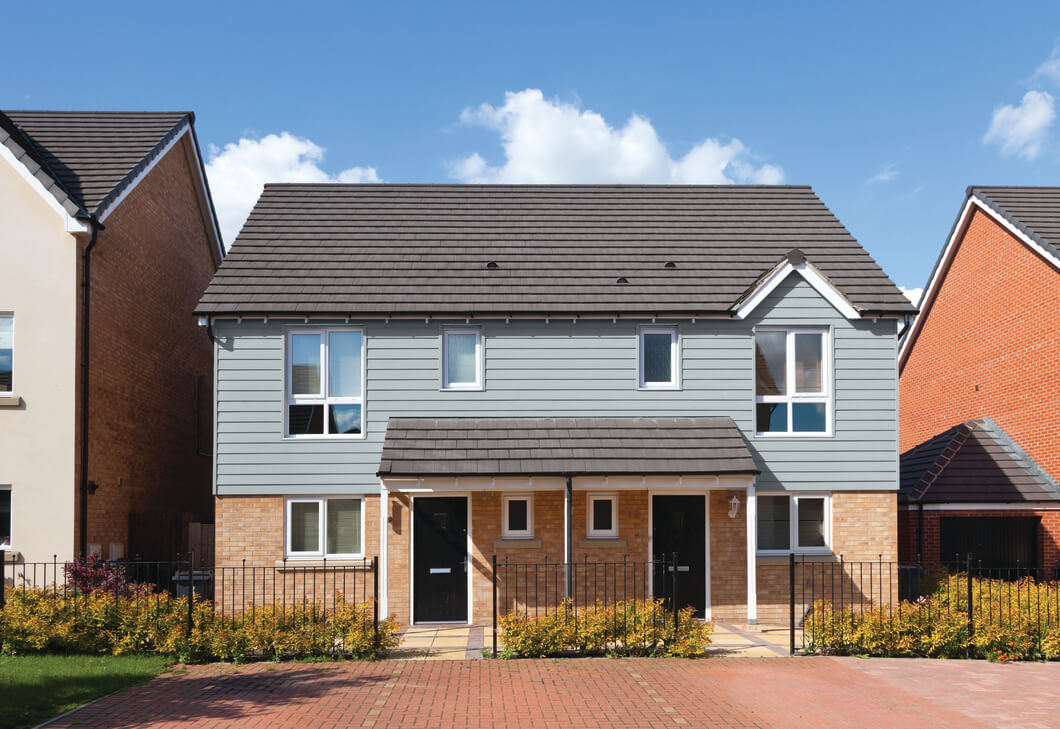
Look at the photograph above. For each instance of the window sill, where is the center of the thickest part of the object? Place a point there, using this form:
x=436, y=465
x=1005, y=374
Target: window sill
x=298, y=564
x=10, y=401
x=602, y=543
x=783, y=559
x=516, y=543
x=10, y=555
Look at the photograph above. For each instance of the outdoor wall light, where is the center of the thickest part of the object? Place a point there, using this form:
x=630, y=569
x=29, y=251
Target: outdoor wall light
x=734, y=507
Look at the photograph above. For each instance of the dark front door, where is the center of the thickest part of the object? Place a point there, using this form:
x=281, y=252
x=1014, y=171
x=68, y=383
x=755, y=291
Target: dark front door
x=439, y=555
x=679, y=526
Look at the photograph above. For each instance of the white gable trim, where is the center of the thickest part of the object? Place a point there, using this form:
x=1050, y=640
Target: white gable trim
x=812, y=277
x=70, y=223
x=113, y=204
x=931, y=290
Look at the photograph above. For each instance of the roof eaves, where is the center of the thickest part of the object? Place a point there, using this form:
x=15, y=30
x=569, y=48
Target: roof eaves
x=1014, y=221
x=794, y=261
x=22, y=148
x=1020, y=456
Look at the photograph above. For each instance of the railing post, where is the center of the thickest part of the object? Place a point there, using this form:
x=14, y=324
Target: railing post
x=791, y=604
x=494, y=577
x=971, y=617
x=191, y=591
x=3, y=580
x=673, y=595
x=375, y=598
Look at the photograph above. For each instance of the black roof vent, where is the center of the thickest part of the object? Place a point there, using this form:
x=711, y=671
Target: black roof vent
x=670, y=264
x=492, y=264
x=622, y=280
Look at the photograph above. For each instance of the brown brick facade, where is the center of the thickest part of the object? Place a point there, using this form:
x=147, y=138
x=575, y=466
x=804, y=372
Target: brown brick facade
x=151, y=366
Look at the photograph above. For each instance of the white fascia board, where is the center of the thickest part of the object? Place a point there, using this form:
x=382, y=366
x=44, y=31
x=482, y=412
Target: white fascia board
x=987, y=506
x=811, y=275
x=70, y=223
x=113, y=204
x=931, y=290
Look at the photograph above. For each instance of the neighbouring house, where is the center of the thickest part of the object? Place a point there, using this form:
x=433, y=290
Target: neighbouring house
x=440, y=375
x=979, y=380
x=109, y=238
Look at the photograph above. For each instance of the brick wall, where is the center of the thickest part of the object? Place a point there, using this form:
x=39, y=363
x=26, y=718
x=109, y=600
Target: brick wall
x=989, y=346
x=1048, y=533
x=149, y=267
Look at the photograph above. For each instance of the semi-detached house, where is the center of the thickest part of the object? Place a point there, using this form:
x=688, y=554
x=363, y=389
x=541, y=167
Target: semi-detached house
x=436, y=375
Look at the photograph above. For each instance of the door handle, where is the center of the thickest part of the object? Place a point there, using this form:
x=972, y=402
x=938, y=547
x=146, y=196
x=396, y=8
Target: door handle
x=441, y=570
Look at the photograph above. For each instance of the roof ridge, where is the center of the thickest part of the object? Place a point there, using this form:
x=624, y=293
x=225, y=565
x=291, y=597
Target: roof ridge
x=931, y=474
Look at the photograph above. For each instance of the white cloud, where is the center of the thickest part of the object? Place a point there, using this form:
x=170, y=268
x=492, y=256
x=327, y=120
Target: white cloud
x=1021, y=130
x=912, y=294
x=547, y=141
x=1049, y=68
x=887, y=173
x=238, y=173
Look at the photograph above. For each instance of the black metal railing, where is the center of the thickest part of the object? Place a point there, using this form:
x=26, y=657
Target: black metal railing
x=539, y=589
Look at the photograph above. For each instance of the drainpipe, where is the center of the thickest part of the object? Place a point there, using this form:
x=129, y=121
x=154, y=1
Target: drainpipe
x=920, y=536
x=86, y=290
x=568, y=535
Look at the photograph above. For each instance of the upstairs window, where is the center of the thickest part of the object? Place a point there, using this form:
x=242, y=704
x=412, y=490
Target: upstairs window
x=7, y=351
x=794, y=523
x=325, y=382
x=658, y=358
x=791, y=381
x=461, y=359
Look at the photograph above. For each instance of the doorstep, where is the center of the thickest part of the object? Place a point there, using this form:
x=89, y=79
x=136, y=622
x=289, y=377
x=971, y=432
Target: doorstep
x=439, y=643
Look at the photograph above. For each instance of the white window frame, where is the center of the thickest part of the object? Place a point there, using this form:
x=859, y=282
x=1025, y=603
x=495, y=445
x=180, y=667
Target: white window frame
x=791, y=398
x=5, y=547
x=322, y=398
x=590, y=531
x=480, y=368
x=322, y=522
x=508, y=533
x=675, y=360
x=10, y=315
x=793, y=524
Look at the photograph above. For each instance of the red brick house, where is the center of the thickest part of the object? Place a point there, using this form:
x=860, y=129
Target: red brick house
x=986, y=345
x=109, y=238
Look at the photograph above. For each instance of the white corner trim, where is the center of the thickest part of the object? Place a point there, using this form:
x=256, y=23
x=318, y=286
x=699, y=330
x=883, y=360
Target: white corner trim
x=70, y=223
x=931, y=290
x=113, y=204
x=812, y=277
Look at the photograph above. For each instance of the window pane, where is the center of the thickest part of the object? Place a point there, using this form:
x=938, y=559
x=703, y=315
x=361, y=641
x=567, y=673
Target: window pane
x=344, y=419
x=461, y=364
x=5, y=518
x=305, y=526
x=771, y=417
x=344, y=526
x=658, y=364
x=344, y=364
x=305, y=420
x=7, y=344
x=808, y=357
x=517, y=515
x=774, y=522
x=305, y=364
x=809, y=417
x=811, y=522
x=602, y=517
x=770, y=354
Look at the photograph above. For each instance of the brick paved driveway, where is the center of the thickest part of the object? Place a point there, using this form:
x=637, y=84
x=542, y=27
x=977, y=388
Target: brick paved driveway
x=786, y=693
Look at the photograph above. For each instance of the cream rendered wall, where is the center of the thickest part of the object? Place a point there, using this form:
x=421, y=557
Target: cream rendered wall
x=38, y=284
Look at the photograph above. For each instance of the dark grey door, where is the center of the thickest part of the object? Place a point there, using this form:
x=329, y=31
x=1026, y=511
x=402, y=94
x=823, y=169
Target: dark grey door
x=439, y=554
x=679, y=526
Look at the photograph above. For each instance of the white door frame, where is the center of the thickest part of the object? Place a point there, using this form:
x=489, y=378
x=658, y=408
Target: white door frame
x=412, y=555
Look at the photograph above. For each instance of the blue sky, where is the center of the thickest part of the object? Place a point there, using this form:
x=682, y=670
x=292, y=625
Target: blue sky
x=888, y=111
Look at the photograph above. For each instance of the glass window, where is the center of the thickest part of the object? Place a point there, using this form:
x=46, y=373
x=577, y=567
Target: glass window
x=5, y=518
x=774, y=522
x=461, y=358
x=811, y=522
x=603, y=515
x=325, y=527
x=791, y=394
x=791, y=522
x=7, y=351
x=658, y=358
x=325, y=400
x=518, y=517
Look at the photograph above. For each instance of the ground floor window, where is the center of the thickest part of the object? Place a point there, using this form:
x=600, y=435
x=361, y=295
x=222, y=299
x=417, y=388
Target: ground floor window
x=517, y=516
x=330, y=527
x=603, y=515
x=5, y=517
x=794, y=523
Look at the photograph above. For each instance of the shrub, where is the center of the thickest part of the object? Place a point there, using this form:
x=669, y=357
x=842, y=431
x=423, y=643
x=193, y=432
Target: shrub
x=89, y=573
x=628, y=627
x=109, y=622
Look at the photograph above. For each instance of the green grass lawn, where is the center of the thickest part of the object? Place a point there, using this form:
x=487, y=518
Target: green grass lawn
x=34, y=688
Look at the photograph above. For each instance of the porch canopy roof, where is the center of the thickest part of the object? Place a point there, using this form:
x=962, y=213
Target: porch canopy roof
x=634, y=446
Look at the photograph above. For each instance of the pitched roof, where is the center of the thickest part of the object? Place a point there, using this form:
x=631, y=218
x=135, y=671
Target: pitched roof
x=510, y=249
x=1033, y=210
x=975, y=461
x=559, y=446
x=87, y=158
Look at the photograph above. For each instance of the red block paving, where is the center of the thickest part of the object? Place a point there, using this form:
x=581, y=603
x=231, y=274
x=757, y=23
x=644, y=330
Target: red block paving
x=822, y=693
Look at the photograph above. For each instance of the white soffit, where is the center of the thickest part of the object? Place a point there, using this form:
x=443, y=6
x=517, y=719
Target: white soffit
x=812, y=276
x=70, y=223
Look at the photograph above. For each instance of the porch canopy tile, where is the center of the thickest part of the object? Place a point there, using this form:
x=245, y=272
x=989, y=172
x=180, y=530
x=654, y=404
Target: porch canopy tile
x=634, y=446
